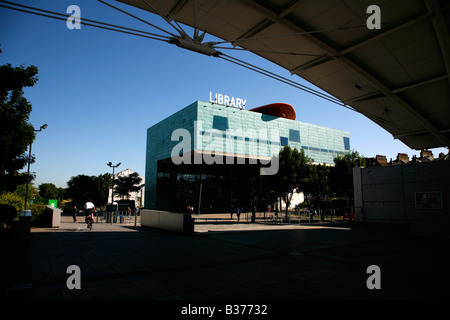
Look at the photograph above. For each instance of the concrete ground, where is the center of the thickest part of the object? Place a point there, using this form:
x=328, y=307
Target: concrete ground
x=227, y=261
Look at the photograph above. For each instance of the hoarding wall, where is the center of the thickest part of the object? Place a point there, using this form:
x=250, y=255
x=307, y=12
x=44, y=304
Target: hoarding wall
x=408, y=193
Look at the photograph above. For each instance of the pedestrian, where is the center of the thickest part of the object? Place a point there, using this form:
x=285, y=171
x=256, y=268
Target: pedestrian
x=238, y=213
x=74, y=213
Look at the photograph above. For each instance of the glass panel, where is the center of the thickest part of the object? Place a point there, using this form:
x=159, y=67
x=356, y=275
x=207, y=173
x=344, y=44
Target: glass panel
x=347, y=143
x=294, y=135
x=220, y=123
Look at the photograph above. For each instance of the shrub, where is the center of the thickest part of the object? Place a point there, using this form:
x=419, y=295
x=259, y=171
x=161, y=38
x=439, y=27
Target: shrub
x=12, y=199
x=7, y=214
x=37, y=211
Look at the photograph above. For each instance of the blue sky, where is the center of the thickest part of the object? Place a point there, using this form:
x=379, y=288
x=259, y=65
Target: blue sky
x=100, y=90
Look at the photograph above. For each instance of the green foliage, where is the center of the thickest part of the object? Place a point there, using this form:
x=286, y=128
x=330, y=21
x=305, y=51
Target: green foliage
x=7, y=215
x=83, y=187
x=12, y=199
x=16, y=199
x=342, y=173
x=319, y=180
x=103, y=184
x=294, y=173
x=297, y=173
x=127, y=184
x=32, y=191
x=41, y=215
x=48, y=191
x=16, y=133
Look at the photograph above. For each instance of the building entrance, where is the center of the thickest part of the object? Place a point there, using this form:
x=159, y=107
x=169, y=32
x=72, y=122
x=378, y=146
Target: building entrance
x=211, y=188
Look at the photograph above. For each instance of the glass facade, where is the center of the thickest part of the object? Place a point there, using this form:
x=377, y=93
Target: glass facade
x=219, y=130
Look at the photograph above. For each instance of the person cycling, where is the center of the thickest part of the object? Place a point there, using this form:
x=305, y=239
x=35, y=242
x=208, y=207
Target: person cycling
x=89, y=209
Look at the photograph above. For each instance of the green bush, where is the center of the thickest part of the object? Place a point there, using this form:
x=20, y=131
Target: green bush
x=7, y=215
x=37, y=211
x=9, y=200
x=12, y=199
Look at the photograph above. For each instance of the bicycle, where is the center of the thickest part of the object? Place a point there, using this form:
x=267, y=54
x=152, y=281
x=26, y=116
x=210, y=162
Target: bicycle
x=89, y=222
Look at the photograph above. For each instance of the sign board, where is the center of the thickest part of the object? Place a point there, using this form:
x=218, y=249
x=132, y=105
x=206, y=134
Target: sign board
x=227, y=100
x=428, y=200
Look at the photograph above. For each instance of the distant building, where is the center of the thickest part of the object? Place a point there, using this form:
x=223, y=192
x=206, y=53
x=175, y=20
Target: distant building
x=378, y=160
x=403, y=158
x=138, y=197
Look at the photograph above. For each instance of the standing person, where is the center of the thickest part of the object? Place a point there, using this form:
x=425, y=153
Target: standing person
x=189, y=210
x=89, y=209
x=74, y=213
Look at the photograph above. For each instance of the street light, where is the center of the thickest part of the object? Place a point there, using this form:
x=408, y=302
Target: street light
x=112, y=188
x=29, y=160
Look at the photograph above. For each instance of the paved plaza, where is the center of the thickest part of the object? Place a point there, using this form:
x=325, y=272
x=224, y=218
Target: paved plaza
x=230, y=261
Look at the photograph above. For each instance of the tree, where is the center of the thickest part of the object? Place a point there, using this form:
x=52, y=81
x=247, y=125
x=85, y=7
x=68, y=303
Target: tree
x=127, y=184
x=12, y=199
x=82, y=188
x=79, y=188
x=319, y=184
x=16, y=132
x=61, y=195
x=342, y=173
x=32, y=191
x=103, y=184
x=48, y=191
x=293, y=173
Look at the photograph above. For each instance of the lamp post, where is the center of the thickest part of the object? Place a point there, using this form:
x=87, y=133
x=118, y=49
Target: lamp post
x=29, y=160
x=112, y=188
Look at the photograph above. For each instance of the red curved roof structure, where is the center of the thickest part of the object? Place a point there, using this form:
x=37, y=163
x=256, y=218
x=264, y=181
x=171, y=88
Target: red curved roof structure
x=279, y=109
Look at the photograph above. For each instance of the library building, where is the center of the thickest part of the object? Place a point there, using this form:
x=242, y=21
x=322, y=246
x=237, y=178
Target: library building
x=207, y=154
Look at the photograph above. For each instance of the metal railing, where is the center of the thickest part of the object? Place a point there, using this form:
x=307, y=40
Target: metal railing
x=303, y=215
x=120, y=217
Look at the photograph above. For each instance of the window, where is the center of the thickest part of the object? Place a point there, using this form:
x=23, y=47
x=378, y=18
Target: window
x=347, y=143
x=220, y=123
x=294, y=135
x=283, y=141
